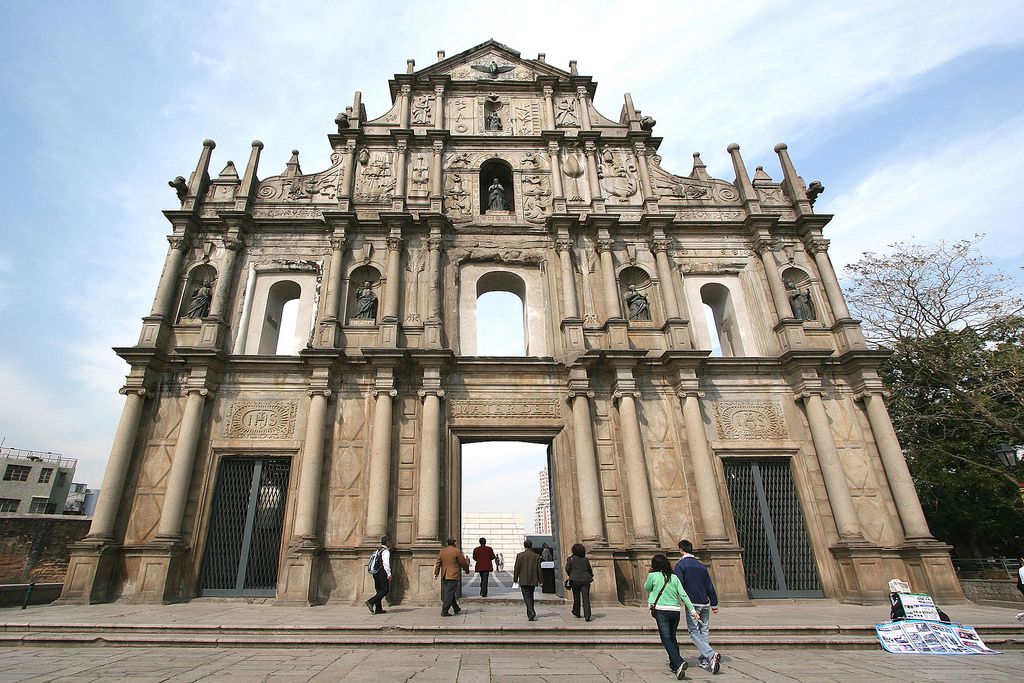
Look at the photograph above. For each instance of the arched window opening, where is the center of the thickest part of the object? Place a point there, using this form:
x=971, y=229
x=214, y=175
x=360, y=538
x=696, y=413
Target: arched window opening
x=275, y=337
x=501, y=326
x=712, y=327
x=363, y=304
x=496, y=194
x=722, y=323
x=198, y=293
x=287, y=345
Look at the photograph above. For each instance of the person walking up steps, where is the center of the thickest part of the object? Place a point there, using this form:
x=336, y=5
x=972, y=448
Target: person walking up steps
x=665, y=595
x=697, y=583
x=484, y=557
x=580, y=575
x=527, y=574
x=450, y=565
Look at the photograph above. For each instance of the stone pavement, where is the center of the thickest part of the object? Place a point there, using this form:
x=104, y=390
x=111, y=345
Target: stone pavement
x=380, y=665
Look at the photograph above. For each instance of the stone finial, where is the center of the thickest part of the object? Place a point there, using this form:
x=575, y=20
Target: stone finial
x=761, y=177
x=541, y=57
x=440, y=55
x=209, y=143
x=229, y=172
x=746, y=190
x=410, y=66
x=292, y=168
x=700, y=171
x=572, y=67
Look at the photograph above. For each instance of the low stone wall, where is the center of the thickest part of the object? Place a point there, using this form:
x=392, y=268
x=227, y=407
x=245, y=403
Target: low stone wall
x=1004, y=590
x=14, y=594
x=35, y=547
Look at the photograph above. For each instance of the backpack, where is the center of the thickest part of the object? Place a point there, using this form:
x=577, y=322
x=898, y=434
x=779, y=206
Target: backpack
x=374, y=565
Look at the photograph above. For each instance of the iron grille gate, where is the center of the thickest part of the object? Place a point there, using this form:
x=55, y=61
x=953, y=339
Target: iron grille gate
x=777, y=553
x=244, y=541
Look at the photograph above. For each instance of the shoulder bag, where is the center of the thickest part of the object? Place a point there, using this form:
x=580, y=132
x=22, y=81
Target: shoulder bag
x=655, y=603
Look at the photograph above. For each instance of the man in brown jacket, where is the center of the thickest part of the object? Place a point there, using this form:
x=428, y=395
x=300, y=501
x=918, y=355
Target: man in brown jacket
x=450, y=565
x=527, y=574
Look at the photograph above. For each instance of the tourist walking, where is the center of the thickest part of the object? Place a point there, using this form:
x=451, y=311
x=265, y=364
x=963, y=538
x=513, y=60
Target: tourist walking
x=484, y=557
x=580, y=575
x=526, y=573
x=665, y=598
x=379, y=567
x=450, y=565
x=697, y=583
x=500, y=562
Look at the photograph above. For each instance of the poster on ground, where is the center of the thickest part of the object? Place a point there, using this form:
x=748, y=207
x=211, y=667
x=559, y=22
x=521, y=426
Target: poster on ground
x=919, y=606
x=921, y=637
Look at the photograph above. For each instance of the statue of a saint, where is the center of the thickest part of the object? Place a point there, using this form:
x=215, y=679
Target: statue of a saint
x=492, y=121
x=199, y=305
x=366, y=303
x=800, y=302
x=496, y=197
x=639, y=308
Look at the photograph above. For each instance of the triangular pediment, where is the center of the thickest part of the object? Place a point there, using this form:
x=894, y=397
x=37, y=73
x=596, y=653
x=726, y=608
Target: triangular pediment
x=491, y=61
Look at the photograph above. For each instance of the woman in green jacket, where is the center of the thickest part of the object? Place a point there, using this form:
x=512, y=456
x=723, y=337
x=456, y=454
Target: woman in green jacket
x=666, y=596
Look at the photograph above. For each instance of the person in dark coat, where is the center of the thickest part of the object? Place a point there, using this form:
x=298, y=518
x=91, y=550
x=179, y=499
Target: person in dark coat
x=527, y=574
x=697, y=583
x=484, y=557
x=450, y=565
x=580, y=575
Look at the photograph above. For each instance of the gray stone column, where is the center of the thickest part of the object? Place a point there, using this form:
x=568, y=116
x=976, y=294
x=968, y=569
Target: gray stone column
x=179, y=481
x=549, y=107
x=105, y=516
x=169, y=278
x=308, y=501
x=435, y=169
x=819, y=248
x=332, y=307
x=583, y=99
x=590, y=151
x=908, y=505
x=710, y=502
x=668, y=283
x=764, y=249
x=218, y=307
x=429, y=510
x=434, y=272
x=636, y=469
x=640, y=150
x=611, y=287
x=438, y=106
x=587, y=480
x=404, y=106
x=393, y=285
x=564, y=248
x=378, y=495
x=348, y=182
x=832, y=472
x=401, y=171
x=556, y=169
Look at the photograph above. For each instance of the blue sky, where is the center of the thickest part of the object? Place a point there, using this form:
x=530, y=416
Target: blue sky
x=911, y=114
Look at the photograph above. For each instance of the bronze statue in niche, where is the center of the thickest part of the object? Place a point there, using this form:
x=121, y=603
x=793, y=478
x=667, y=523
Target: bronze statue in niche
x=366, y=303
x=639, y=306
x=496, y=197
x=800, y=302
x=199, y=305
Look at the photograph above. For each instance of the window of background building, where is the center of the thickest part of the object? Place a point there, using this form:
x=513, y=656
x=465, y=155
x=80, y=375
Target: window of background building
x=38, y=504
x=62, y=477
x=17, y=473
x=9, y=504
x=45, y=474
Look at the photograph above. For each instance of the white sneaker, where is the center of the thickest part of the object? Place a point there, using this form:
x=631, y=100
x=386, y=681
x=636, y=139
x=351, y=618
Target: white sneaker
x=715, y=663
x=681, y=671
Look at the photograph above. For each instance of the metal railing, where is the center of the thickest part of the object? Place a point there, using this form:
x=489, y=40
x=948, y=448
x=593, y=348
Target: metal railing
x=38, y=456
x=987, y=567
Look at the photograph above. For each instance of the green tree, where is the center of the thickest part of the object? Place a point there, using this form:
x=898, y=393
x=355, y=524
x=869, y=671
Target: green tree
x=956, y=378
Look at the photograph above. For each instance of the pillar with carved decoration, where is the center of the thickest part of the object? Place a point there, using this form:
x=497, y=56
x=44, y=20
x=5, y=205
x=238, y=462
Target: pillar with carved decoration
x=583, y=98
x=613, y=305
x=394, y=273
x=404, y=106
x=660, y=248
x=764, y=249
x=179, y=481
x=169, y=277
x=819, y=249
x=549, y=107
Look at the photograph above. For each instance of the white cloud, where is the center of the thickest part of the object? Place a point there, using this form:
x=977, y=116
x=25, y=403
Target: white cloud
x=945, y=189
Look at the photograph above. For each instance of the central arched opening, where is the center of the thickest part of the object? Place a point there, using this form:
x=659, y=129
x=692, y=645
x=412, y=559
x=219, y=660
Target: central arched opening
x=506, y=497
x=501, y=326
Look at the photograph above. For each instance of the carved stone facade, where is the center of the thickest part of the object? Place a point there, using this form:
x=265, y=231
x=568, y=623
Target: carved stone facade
x=339, y=350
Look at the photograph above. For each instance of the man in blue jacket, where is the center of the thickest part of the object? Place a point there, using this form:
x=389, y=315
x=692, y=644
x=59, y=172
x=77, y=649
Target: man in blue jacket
x=698, y=585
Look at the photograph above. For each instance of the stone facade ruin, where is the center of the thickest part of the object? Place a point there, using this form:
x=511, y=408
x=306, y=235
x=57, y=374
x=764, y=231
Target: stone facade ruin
x=309, y=369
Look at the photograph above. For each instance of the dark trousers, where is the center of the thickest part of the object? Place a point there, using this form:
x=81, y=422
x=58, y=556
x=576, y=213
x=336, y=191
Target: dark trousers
x=668, y=623
x=381, y=583
x=449, y=591
x=528, y=599
x=580, y=593
x=483, y=583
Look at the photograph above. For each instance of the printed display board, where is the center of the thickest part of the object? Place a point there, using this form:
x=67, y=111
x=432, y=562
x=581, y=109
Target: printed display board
x=921, y=637
x=919, y=606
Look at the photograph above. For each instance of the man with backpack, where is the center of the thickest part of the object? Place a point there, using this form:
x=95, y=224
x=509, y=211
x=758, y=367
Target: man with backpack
x=379, y=567
x=698, y=585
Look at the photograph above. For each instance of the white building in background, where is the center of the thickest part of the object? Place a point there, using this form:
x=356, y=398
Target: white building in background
x=542, y=510
x=34, y=481
x=503, y=530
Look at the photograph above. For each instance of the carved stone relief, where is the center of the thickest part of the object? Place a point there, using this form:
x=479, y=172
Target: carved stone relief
x=260, y=420
x=536, y=197
x=618, y=177
x=573, y=166
x=507, y=409
x=377, y=179
x=750, y=420
x=423, y=110
x=292, y=186
x=458, y=188
x=709, y=215
x=565, y=113
x=419, y=178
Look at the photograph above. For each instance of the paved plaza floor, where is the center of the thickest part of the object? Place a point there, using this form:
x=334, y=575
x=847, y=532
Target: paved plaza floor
x=383, y=665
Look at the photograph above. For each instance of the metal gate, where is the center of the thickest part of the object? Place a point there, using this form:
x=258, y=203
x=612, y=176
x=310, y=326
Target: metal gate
x=244, y=541
x=777, y=553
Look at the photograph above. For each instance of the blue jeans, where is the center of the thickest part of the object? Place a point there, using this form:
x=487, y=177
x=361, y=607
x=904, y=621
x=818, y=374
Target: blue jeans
x=700, y=633
x=668, y=623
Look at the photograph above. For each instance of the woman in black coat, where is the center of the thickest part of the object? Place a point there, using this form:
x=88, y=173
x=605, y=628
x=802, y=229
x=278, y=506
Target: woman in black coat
x=580, y=575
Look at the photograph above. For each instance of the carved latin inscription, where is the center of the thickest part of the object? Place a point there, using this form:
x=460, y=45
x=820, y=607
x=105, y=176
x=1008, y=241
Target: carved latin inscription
x=507, y=409
x=750, y=420
x=261, y=420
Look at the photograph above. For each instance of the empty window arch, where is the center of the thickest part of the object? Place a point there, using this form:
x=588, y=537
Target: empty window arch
x=501, y=324
x=721, y=319
x=277, y=336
